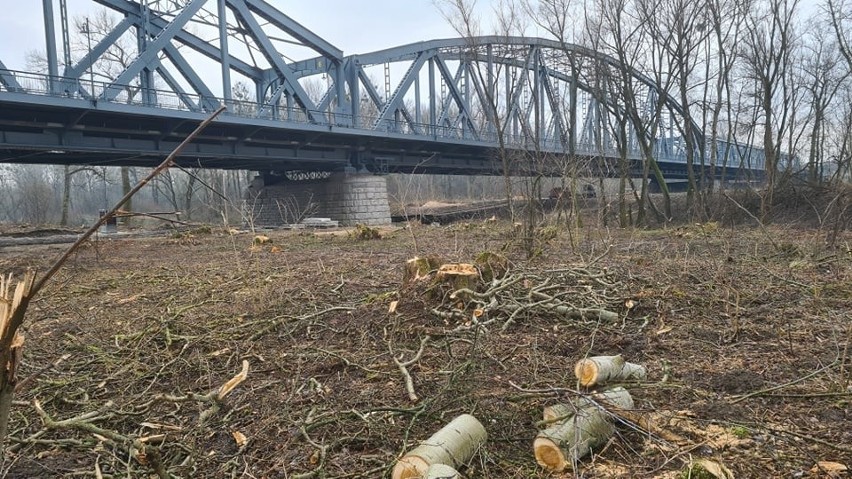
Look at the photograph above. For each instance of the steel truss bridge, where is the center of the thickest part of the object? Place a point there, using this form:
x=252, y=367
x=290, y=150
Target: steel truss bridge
x=297, y=103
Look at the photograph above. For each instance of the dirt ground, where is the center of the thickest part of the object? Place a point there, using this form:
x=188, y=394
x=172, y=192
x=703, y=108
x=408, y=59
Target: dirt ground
x=745, y=334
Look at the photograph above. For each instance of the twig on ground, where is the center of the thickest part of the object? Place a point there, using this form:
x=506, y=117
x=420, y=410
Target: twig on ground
x=784, y=385
x=275, y=323
x=403, y=366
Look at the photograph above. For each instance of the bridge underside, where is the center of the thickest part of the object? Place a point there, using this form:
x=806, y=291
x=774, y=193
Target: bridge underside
x=109, y=134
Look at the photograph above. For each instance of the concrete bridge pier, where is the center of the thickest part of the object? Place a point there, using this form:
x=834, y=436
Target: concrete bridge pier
x=674, y=186
x=350, y=197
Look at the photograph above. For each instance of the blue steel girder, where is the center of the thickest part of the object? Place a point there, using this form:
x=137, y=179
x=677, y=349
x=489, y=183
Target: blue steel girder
x=307, y=37
x=153, y=48
x=137, y=15
x=7, y=79
x=208, y=99
x=372, y=93
x=461, y=100
x=174, y=85
x=395, y=103
x=157, y=24
x=461, y=47
x=241, y=9
x=443, y=118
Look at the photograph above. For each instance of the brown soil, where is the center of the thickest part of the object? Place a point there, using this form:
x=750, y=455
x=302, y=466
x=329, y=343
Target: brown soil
x=715, y=314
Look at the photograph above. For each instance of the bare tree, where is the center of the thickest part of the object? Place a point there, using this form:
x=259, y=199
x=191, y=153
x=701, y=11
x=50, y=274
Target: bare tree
x=824, y=73
x=767, y=52
x=726, y=19
x=840, y=15
x=626, y=37
x=679, y=28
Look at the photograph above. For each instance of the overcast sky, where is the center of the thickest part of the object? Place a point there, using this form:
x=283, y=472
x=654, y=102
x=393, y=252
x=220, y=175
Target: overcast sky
x=355, y=26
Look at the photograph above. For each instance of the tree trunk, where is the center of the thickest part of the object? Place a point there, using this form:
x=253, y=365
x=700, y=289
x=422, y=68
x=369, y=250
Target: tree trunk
x=603, y=369
x=125, y=188
x=563, y=444
x=13, y=306
x=453, y=446
x=66, y=195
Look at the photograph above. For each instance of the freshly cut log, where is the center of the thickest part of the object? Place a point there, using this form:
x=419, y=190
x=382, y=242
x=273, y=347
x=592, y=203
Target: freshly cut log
x=453, y=446
x=557, y=412
x=563, y=444
x=442, y=471
x=560, y=412
x=604, y=369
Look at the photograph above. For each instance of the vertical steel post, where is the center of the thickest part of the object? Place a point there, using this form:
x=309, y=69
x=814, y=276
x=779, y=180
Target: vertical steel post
x=509, y=123
x=490, y=89
x=355, y=93
x=340, y=89
x=465, y=96
x=66, y=42
x=536, y=94
x=572, y=111
x=225, y=56
x=433, y=114
x=88, y=33
x=146, y=76
x=418, y=117
x=50, y=41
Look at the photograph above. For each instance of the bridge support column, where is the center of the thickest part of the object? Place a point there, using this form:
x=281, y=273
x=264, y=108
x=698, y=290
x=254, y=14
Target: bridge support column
x=348, y=197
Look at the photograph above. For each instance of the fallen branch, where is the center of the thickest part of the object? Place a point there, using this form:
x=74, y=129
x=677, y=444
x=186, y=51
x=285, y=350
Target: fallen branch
x=784, y=385
x=578, y=294
x=214, y=398
x=138, y=448
x=403, y=367
x=275, y=323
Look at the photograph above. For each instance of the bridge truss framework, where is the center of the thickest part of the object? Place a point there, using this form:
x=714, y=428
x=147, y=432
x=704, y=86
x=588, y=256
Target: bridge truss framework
x=441, y=106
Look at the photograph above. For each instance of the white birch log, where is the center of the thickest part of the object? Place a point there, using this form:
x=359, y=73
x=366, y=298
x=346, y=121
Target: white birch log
x=556, y=412
x=563, y=444
x=453, y=446
x=604, y=369
x=441, y=471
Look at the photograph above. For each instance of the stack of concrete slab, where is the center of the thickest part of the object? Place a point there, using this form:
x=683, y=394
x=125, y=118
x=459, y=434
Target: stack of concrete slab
x=320, y=223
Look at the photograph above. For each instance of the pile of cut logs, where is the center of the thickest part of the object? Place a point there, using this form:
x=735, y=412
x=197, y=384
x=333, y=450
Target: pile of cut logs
x=573, y=429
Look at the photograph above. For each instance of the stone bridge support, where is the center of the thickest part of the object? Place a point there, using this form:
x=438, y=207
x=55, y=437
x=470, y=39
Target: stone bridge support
x=348, y=197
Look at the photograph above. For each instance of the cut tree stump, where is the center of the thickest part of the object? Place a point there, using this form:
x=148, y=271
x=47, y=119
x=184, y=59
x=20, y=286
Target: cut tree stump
x=419, y=268
x=563, y=444
x=605, y=369
x=453, y=446
x=458, y=276
x=491, y=265
x=442, y=471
